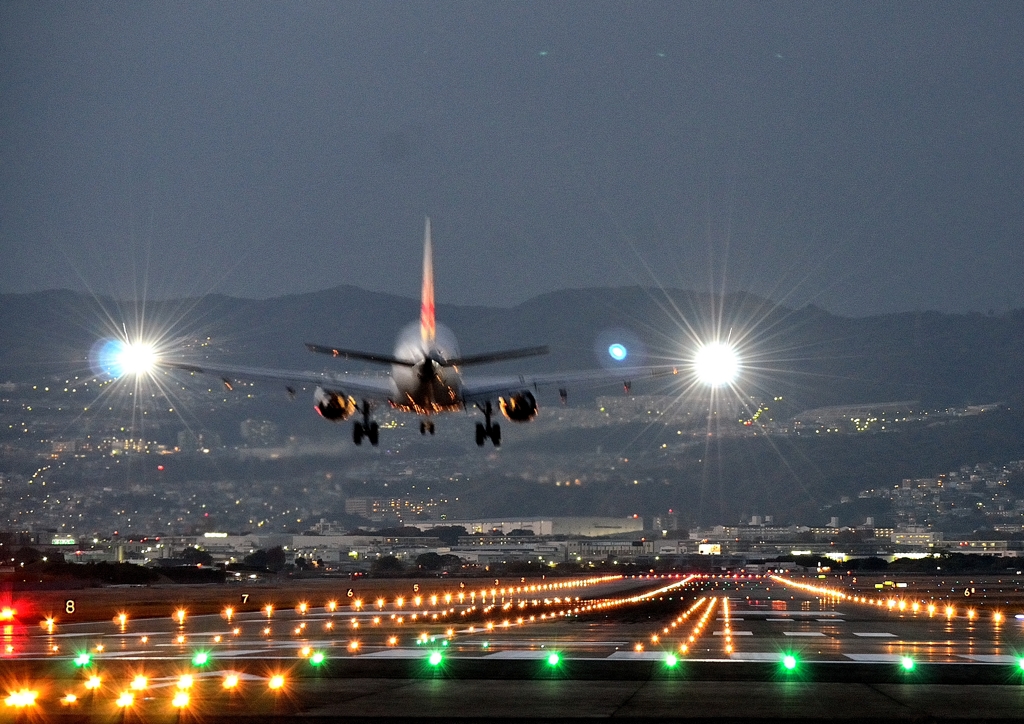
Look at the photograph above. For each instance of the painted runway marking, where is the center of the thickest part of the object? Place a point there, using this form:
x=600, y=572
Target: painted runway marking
x=874, y=635
x=735, y=633
x=875, y=658
x=802, y=633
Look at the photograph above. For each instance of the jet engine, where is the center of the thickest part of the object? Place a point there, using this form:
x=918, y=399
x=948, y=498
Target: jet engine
x=333, y=405
x=520, y=407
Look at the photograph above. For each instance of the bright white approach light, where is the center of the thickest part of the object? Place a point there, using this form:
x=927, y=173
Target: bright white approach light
x=716, y=364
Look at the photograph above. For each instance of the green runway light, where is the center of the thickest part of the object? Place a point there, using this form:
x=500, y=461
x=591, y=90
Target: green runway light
x=907, y=663
x=1020, y=663
x=435, y=658
x=83, y=660
x=553, y=660
x=789, y=661
x=201, y=658
x=317, y=658
x=671, y=660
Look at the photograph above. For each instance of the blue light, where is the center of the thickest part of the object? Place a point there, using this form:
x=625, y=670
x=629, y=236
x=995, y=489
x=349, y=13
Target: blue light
x=110, y=357
x=617, y=352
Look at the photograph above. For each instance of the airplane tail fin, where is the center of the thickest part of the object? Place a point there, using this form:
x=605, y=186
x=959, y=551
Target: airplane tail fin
x=428, y=325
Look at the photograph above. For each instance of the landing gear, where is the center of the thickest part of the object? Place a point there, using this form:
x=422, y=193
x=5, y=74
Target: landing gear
x=425, y=427
x=486, y=430
x=367, y=428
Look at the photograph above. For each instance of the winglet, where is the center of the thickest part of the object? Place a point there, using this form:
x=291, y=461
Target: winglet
x=428, y=326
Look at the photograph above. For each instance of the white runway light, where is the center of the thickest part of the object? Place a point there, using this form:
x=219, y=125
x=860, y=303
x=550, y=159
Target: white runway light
x=716, y=364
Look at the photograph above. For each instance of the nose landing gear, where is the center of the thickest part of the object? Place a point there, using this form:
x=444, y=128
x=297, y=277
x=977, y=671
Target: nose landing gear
x=426, y=426
x=486, y=430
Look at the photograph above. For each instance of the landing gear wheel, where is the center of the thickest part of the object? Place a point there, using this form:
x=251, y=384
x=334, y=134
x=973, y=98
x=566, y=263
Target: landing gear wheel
x=481, y=434
x=430, y=428
x=372, y=433
x=423, y=428
x=357, y=433
x=496, y=435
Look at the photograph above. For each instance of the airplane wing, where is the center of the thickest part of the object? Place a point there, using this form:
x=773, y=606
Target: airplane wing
x=352, y=384
x=481, y=389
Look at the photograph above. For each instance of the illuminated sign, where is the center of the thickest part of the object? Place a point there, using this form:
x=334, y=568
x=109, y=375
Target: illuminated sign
x=63, y=541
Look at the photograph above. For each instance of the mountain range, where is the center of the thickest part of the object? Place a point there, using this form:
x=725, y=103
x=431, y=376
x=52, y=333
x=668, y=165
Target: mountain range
x=808, y=355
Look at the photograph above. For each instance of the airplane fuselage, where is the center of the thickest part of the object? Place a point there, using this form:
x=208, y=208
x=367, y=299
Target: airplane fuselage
x=429, y=387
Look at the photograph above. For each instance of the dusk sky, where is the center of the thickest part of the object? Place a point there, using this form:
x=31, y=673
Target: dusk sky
x=866, y=157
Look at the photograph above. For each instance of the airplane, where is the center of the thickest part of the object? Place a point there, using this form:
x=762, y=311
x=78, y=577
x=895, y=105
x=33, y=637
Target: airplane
x=426, y=377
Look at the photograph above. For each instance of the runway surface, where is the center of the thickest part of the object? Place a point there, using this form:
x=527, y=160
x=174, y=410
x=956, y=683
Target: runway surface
x=651, y=647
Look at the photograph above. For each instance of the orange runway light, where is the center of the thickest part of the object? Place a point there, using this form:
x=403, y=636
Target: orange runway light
x=276, y=682
x=230, y=681
x=180, y=700
x=125, y=700
x=22, y=698
x=93, y=683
